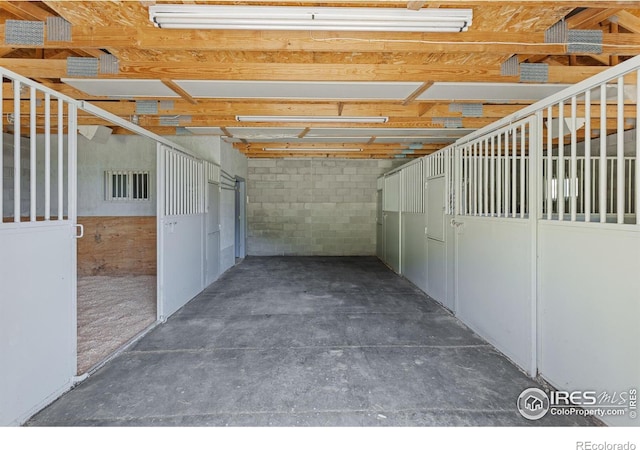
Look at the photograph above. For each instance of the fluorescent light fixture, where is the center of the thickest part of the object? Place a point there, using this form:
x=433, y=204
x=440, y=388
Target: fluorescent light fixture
x=356, y=119
x=312, y=150
x=239, y=17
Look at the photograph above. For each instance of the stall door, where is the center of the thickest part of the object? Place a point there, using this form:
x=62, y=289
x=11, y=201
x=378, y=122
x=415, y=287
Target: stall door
x=213, y=233
x=38, y=262
x=181, y=222
x=437, y=267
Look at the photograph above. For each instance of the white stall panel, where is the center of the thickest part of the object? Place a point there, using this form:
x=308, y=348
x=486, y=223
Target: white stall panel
x=493, y=261
x=589, y=309
x=181, y=230
x=37, y=319
x=392, y=240
x=181, y=272
x=437, y=271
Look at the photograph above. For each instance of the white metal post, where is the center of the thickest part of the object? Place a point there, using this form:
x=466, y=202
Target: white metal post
x=16, y=152
x=602, y=192
x=32, y=155
x=1, y=157
x=523, y=169
x=587, y=156
x=514, y=171
x=548, y=196
x=637, y=174
x=60, y=159
x=574, y=161
x=560, y=182
x=47, y=156
x=620, y=151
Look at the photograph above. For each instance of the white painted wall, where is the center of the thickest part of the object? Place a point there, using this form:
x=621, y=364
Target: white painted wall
x=120, y=152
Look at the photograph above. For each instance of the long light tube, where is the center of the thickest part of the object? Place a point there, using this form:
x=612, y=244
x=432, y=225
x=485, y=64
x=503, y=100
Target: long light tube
x=311, y=150
x=240, y=17
x=321, y=119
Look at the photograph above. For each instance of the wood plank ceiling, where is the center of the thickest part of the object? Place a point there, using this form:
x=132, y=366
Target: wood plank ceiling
x=407, y=77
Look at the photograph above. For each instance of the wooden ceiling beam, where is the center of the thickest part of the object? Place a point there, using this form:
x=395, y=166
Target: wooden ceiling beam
x=25, y=10
x=590, y=18
x=37, y=68
x=467, y=42
x=426, y=85
x=175, y=87
x=628, y=21
x=227, y=110
x=90, y=37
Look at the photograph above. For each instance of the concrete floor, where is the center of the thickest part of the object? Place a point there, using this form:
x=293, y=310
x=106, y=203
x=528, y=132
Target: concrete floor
x=304, y=341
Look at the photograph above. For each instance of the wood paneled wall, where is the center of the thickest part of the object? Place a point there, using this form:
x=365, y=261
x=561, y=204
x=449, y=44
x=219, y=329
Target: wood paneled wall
x=117, y=246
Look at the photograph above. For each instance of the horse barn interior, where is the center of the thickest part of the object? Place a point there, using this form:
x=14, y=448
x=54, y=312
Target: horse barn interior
x=327, y=213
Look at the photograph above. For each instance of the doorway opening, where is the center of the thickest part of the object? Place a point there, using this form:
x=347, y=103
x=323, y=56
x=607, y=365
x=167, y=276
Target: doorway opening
x=117, y=261
x=240, y=220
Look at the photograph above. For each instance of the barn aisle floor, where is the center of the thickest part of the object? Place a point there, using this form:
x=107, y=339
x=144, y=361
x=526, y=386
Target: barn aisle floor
x=304, y=341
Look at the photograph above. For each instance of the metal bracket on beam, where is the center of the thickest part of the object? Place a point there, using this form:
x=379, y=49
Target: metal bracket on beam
x=585, y=41
x=24, y=32
x=534, y=72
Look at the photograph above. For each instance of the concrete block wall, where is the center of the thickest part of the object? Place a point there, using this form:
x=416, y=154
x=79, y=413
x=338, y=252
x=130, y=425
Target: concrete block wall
x=313, y=206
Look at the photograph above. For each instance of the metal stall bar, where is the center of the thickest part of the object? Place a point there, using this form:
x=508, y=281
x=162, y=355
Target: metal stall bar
x=47, y=156
x=549, y=159
x=561, y=168
x=602, y=194
x=637, y=167
x=16, y=151
x=492, y=176
x=620, y=192
x=1, y=159
x=523, y=173
x=60, y=159
x=33, y=167
x=587, y=156
x=507, y=177
x=499, y=176
x=574, y=162
x=514, y=172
